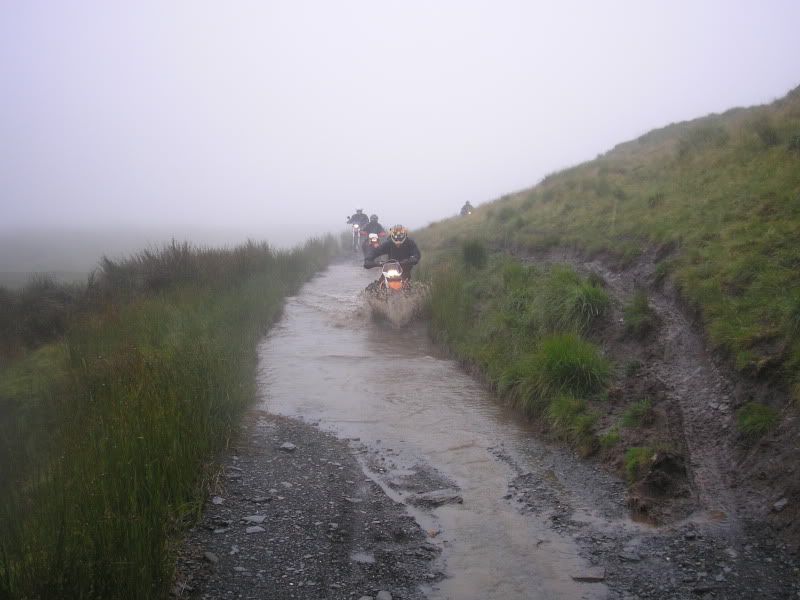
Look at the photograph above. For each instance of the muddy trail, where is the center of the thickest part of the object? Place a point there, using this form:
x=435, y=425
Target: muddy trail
x=434, y=488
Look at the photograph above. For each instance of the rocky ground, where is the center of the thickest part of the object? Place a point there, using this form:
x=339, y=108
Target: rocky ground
x=295, y=516
x=637, y=561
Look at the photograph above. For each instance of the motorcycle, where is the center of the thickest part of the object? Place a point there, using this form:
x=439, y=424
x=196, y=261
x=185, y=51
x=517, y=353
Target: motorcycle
x=356, y=237
x=390, y=280
x=374, y=240
x=394, y=298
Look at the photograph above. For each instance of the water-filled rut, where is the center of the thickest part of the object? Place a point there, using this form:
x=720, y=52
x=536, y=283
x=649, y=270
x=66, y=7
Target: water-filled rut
x=418, y=414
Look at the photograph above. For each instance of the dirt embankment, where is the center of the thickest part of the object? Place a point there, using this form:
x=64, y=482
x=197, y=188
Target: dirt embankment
x=695, y=393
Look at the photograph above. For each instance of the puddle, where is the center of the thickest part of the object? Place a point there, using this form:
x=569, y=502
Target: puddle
x=329, y=363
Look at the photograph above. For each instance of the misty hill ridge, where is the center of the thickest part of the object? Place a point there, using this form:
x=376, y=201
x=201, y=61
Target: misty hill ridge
x=715, y=199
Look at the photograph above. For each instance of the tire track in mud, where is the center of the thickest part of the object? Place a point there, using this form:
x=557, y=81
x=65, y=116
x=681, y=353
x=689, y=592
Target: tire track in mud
x=690, y=380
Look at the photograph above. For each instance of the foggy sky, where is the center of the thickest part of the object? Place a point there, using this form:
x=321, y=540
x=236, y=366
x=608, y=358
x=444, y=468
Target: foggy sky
x=262, y=115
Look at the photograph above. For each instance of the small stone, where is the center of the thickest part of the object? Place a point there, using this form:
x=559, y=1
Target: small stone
x=630, y=556
x=366, y=598
x=703, y=588
x=239, y=569
x=384, y=595
x=731, y=552
x=255, y=519
x=255, y=529
x=260, y=499
x=435, y=498
x=211, y=557
x=217, y=500
x=288, y=447
x=780, y=505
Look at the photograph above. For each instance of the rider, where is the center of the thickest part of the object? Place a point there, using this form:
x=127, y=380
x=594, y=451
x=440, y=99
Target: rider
x=373, y=226
x=466, y=209
x=398, y=247
x=359, y=218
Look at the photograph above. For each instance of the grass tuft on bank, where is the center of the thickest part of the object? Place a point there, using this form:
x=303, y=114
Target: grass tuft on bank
x=525, y=328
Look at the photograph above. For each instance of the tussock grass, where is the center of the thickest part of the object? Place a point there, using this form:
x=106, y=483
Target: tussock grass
x=754, y=420
x=571, y=419
x=522, y=326
x=474, y=254
x=108, y=430
x=639, y=414
x=637, y=460
x=609, y=439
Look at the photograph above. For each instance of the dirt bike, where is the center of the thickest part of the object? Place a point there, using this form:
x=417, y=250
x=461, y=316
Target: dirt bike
x=393, y=297
x=374, y=240
x=390, y=280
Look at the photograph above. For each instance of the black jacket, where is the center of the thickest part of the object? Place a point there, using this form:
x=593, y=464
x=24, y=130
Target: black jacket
x=372, y=227
x=407, y=253
x=360, y=218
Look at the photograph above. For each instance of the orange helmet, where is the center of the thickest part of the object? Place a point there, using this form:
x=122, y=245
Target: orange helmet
x=398, y=233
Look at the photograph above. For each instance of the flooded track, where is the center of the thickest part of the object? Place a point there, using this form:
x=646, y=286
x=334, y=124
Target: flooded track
x=327, y=362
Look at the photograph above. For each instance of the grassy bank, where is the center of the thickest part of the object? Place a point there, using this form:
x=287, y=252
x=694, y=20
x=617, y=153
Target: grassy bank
x=716, y=201
x=109, y=419
x=528, y=330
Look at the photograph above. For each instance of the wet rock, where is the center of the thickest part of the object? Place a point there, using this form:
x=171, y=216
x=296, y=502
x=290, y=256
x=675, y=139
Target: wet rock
x=366, y=598
x=255, y=529
x=288, y=447
x=593, y=575
x=255, y=519
x=435, y=498
x=630, y=556
x=780, y=505
x=211, y=557
x=704, y=588
x=384, y=595
x=217, y=500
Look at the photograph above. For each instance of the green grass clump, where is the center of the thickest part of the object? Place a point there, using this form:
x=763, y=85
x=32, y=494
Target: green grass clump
x=609, y=439
x=108, y=431
x=639, y=318
x=567, y=363
x=567, y=302
x=521, y=325
x=571, y=419
x=639, y=414
x=755, y=420
x=474, y=254
x=637, y=459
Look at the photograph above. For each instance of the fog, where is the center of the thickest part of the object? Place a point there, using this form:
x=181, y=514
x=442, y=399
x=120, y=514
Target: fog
x=221, y=121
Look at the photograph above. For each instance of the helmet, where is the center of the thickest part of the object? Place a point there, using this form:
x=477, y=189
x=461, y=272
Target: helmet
x=398, y=233
x=373, y=218
x=359, y=210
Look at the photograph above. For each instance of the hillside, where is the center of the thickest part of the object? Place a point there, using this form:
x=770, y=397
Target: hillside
x=689, y=238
